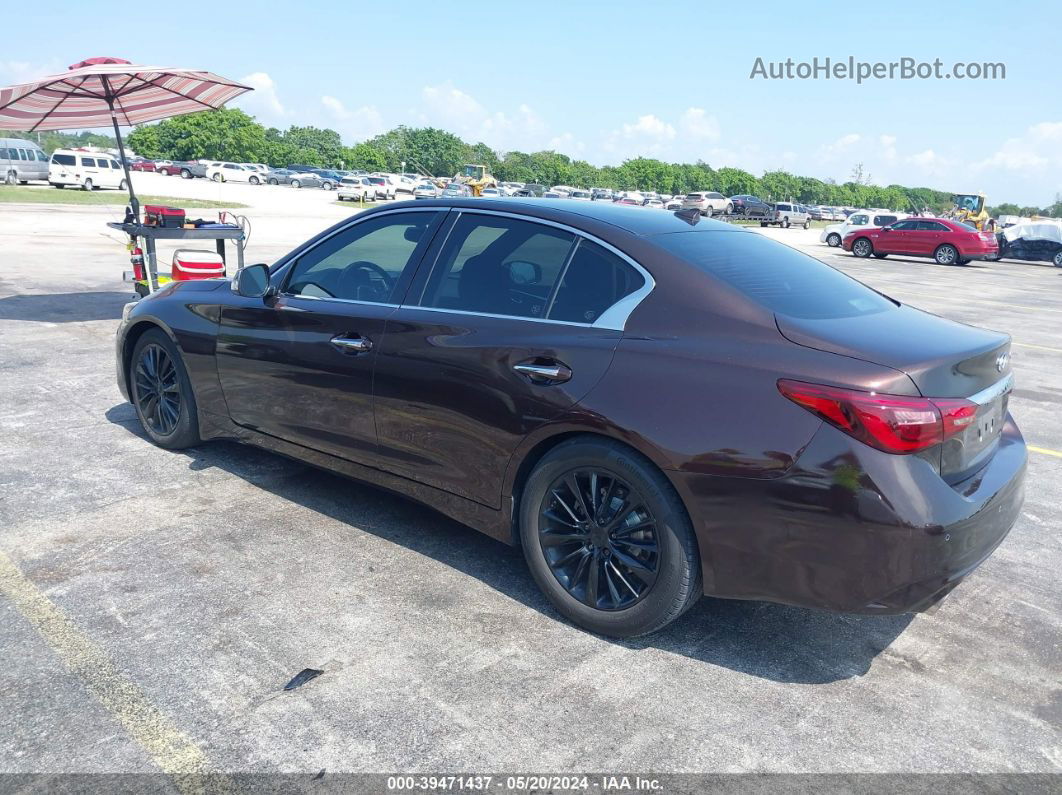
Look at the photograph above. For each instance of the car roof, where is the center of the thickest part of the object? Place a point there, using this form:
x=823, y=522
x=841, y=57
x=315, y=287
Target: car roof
x=633, y=219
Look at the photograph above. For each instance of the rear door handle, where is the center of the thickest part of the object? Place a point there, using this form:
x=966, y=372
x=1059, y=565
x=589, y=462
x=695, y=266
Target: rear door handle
x=352, y=344
x=551, y=373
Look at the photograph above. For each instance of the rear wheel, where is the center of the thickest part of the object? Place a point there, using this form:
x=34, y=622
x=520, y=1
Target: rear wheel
x=218, y=178
x=862, y=247
x=11, y=178
x=87, y=185
x=946, y=255
x=296, y=184
x=274, y=182
x=186, y=174
x=164, y=172
x=807, y=224
x=833, y=240
x=879, y=255
x=1057, y=259
x=254, y=180
x=162, y=393
x=123, y=185
x=608, y=540
x=729, y=210
x=785, y=223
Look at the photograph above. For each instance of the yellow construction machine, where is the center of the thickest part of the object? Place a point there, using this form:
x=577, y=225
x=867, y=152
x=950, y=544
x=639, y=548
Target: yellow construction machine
x=477, y=178
x=970, y=208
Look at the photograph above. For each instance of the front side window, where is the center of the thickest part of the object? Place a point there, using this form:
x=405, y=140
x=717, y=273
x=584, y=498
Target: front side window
x=884, y=220
x=932, y=226
x=858, y=220
x=365, y=262
x=41, y=156
x=905, y=225
x=498, y=266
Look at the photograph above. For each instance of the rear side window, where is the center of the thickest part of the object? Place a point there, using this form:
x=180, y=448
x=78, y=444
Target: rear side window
x=932, y=226
x=858, y=220
x=775, y=276
x=884, y=220
x=498, y=266
x=63, y=160
x=88, y=162
x=594, y=280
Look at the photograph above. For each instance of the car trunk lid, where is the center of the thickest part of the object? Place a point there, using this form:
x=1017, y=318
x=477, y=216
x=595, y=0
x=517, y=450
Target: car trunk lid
x=943, y=359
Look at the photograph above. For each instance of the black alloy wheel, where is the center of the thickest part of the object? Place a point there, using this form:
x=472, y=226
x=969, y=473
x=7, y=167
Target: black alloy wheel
x=599, y=539
x=157, y=389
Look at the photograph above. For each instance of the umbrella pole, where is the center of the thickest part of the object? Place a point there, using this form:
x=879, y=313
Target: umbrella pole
x=133, y=202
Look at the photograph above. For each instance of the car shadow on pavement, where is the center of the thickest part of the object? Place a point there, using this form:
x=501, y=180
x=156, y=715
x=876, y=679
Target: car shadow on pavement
x=64, y=307
x=770, y=641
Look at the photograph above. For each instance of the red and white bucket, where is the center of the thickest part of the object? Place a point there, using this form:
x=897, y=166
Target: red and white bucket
x=190, y=263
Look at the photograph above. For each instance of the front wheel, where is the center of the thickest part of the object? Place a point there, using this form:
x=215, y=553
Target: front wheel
x=254, y=180
x=946, y=255
x=87, y=185
x=807, y=224
x=274, y=182
x=833, y=240
x=1057, y=259
x=123, y=185
x=296, y=184
x=186, y=174
x=162, y=393
x=879, y=255
x=164, y=172
x=729, y=210
x=218, y=178
x=11, y=178
x=785, y=223
x=608, y=540
x=862, y=247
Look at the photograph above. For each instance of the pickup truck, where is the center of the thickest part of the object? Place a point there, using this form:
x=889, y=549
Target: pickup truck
x=186, y=169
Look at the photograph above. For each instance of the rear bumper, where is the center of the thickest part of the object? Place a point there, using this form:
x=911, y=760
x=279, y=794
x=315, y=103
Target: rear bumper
x=852, y=529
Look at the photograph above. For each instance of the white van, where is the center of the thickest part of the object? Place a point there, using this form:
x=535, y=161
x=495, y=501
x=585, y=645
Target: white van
x=87, y=170
x=21, y=161
x=833, y=234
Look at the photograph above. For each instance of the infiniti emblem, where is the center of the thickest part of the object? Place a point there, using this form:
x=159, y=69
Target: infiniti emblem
x=1001, y=361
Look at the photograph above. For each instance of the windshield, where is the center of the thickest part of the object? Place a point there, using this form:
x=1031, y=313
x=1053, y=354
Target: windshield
x=774, y=275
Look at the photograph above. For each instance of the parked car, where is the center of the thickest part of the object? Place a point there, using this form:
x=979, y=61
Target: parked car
x=815, y=212
x=88, y=170
x=425, y=190
x=687, y=410
x=280, y=176
x=628, y=201
x=187, y=169
x=456, y=190
x=334, y=177
x=708, y=202
x=654, y=203
x=531, y=189
x=385, y=189
x=787, y=214
x=581, y=195
x=674, y=203
x=232, y=172
x=947, y=242
x=356, y=189
x=301, y=168
x=143, y=165
x=310, y=179
x=21, y=161
x=751, y=206
x=491, y=193
x=834, y=234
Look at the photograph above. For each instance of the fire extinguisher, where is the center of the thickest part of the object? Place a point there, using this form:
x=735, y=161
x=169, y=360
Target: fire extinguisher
x=136, y=258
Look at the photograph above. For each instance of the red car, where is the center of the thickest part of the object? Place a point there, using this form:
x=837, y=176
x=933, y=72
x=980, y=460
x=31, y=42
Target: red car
x=946, y=241
x=142, y=165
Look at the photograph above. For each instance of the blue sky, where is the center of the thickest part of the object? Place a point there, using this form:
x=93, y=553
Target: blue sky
x=605, y=81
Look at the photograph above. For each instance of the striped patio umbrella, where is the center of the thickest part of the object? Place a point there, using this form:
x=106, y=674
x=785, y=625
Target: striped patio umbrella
x=103, y=92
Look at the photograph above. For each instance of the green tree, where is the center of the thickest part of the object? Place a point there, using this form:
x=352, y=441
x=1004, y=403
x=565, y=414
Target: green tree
x=734, y=181
x=364, y=156
x=325, y=145
x=226, y=134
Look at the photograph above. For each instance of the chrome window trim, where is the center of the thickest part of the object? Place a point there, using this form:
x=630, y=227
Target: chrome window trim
x=614, y=318
x=988, y=394
x=296, y=255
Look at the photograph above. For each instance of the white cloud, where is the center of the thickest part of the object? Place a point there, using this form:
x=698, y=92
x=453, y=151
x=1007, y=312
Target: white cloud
x=15, y=72
x=263, y=102
x=839, y=147
x=1037, y=150
x=696, y=123
x=358, y=124
x=888, y=146
x=456, y=111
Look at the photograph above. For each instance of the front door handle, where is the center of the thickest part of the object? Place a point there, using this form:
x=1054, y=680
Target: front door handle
x=352, y=344
x=551, y=373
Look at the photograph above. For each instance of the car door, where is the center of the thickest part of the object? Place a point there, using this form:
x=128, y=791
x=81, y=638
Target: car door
x=513, y=324
x=89, y=170
x=898, y=238
x=298, y=365
x=932, y=234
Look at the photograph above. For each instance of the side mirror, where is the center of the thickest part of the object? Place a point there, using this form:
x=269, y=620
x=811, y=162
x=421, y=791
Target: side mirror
x=252, y=281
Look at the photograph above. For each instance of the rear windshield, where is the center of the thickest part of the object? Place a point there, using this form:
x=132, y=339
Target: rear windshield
x=774, y=275
x=63, y=160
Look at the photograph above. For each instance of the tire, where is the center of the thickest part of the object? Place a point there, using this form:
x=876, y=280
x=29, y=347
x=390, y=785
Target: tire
x=11, y=178
x=274, y=182
x=764, y=223
x=186, y=174
x=87, y=185
x=650, y=605
x=729, y=210
x=328, y=186
x=58, y=185
x=862, y=247
x=807, y=224
x=1057, y=259
x=165, y=172
x=254, y=180
x=218, y=178
x=155, y=346
x=123, y=185
x=296, y=184
x=785, y=223
x=710, y=212
x=833, y=240
x=946, y=255
x=879, y=255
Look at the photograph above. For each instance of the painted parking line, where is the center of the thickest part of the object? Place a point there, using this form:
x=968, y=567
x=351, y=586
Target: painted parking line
x=1045, y=451
x=1037, y=347
x=170, y=749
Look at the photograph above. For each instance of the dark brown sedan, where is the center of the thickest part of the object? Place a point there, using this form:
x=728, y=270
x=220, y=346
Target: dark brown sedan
x=652, y=405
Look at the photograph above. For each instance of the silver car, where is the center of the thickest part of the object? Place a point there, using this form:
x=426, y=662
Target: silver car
x=425, y=191
x=21, y=161
x=708, y=202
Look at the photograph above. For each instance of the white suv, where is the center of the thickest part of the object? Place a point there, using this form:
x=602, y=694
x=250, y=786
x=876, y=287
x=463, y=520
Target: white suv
x=833, y=234
x=232, y=172
x=708, y=202
x=786, y=214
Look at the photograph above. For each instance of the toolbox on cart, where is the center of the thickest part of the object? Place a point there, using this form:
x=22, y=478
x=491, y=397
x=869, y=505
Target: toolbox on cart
x=162, y=216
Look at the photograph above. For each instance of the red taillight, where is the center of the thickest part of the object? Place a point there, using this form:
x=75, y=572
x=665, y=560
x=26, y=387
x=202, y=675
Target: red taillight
x=894, y=423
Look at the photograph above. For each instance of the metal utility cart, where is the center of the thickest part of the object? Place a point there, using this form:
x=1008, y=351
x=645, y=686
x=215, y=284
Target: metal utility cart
x=149, y=234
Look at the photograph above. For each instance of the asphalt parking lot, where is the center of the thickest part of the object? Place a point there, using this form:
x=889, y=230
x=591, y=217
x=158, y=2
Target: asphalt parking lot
x=154, y=604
